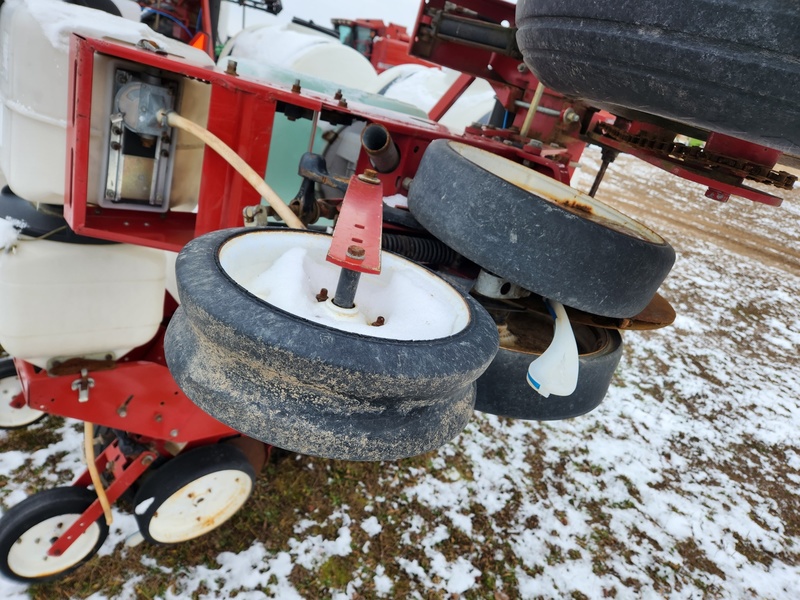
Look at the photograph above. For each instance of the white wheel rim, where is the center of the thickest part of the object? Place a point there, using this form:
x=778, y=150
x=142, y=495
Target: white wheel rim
x=10, y=387
x=200, y=506
x=556, y=192
x=288, y=269
x=28, y=555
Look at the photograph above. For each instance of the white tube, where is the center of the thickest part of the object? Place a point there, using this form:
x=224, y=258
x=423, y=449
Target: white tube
x=173, y=119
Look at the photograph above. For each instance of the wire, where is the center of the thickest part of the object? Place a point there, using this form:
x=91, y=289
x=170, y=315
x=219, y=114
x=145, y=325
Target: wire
x=199, y=22
x=171, y=18
x=226, y=152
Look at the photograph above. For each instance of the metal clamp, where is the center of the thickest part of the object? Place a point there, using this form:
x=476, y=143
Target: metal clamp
x=83, y=385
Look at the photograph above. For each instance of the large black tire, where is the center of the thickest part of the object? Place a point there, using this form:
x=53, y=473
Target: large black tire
x=28, y=530
x=536, y=232
x=503, y=389
x=311, y=388
x=193, y=493
x=731, y=66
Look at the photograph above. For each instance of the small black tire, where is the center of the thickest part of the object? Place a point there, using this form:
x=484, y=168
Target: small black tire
x=29, y=528
x=721, y=65
x=193, y=493
x=504, y=391
x=311, y=388
x=536, y=232
x=10, y=387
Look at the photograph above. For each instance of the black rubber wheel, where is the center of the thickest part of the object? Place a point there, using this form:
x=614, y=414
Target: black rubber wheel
x=731, y=66
x=536, y=232
x=10, y=387
x=503, y=389
x=28, y=530
x=309, y=387
x=193, y=493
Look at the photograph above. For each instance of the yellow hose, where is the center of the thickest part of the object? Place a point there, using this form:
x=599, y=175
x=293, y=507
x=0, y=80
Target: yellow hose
x=88, y=448
x=236, y=161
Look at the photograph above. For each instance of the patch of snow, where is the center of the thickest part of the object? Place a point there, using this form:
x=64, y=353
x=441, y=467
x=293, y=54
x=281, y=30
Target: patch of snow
x=371, y=526
x=9, y=232
x=287, y=270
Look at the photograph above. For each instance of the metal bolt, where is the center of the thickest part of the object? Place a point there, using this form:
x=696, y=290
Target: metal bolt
x=323, y=295
x=109, y=193
x=570, y=116
x=378, y=322
x=296, y=86
x=356, y=252
x=337, y=95
x=164, y=152
x=232, y=66
x=158, y=418
x=342, y=103
x=116, y=130
x=522, y=67
x=115, y=145
x=717, y=195
x=147, y=460
x=369, y=176
x=173, y=433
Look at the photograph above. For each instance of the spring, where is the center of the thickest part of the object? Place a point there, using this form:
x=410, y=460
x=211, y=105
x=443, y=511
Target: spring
x=422, y=250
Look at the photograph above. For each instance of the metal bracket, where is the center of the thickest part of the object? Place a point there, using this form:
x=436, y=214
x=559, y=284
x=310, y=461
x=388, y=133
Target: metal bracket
x=492, y=286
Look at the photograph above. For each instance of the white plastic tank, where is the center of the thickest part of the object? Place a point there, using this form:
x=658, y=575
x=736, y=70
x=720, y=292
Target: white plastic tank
x=424, y=86
x=62, y=300
x=305, y=51
x=34, y=77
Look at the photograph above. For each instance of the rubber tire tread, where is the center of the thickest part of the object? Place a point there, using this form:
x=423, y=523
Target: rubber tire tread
x=532, y=241
x=312, y=389
x=37, y=508
x=731, y=66
x=180, y=471
x=504, y=391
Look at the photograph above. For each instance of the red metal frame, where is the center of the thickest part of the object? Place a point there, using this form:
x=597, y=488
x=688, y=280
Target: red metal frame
x=360, y=224
x=125, y=471
x=242, y=111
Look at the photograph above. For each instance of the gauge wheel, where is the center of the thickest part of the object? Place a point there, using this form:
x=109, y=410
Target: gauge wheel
x=536, y=232
x=193, y=493
x=731, y=66
x=503, y=389
x=10, y=387
x=254, y=347
x=28, y=530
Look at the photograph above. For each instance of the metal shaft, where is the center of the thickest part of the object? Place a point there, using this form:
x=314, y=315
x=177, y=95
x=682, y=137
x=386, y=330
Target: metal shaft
x=346, y=288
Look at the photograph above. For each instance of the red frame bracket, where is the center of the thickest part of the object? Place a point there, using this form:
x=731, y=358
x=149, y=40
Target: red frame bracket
x=356, y=243
x=125, y=472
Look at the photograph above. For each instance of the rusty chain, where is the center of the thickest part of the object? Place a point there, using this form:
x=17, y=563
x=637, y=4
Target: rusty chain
x=700, y=157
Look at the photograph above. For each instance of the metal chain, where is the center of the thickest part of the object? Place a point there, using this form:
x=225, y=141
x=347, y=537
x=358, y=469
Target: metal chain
x=700, y=157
